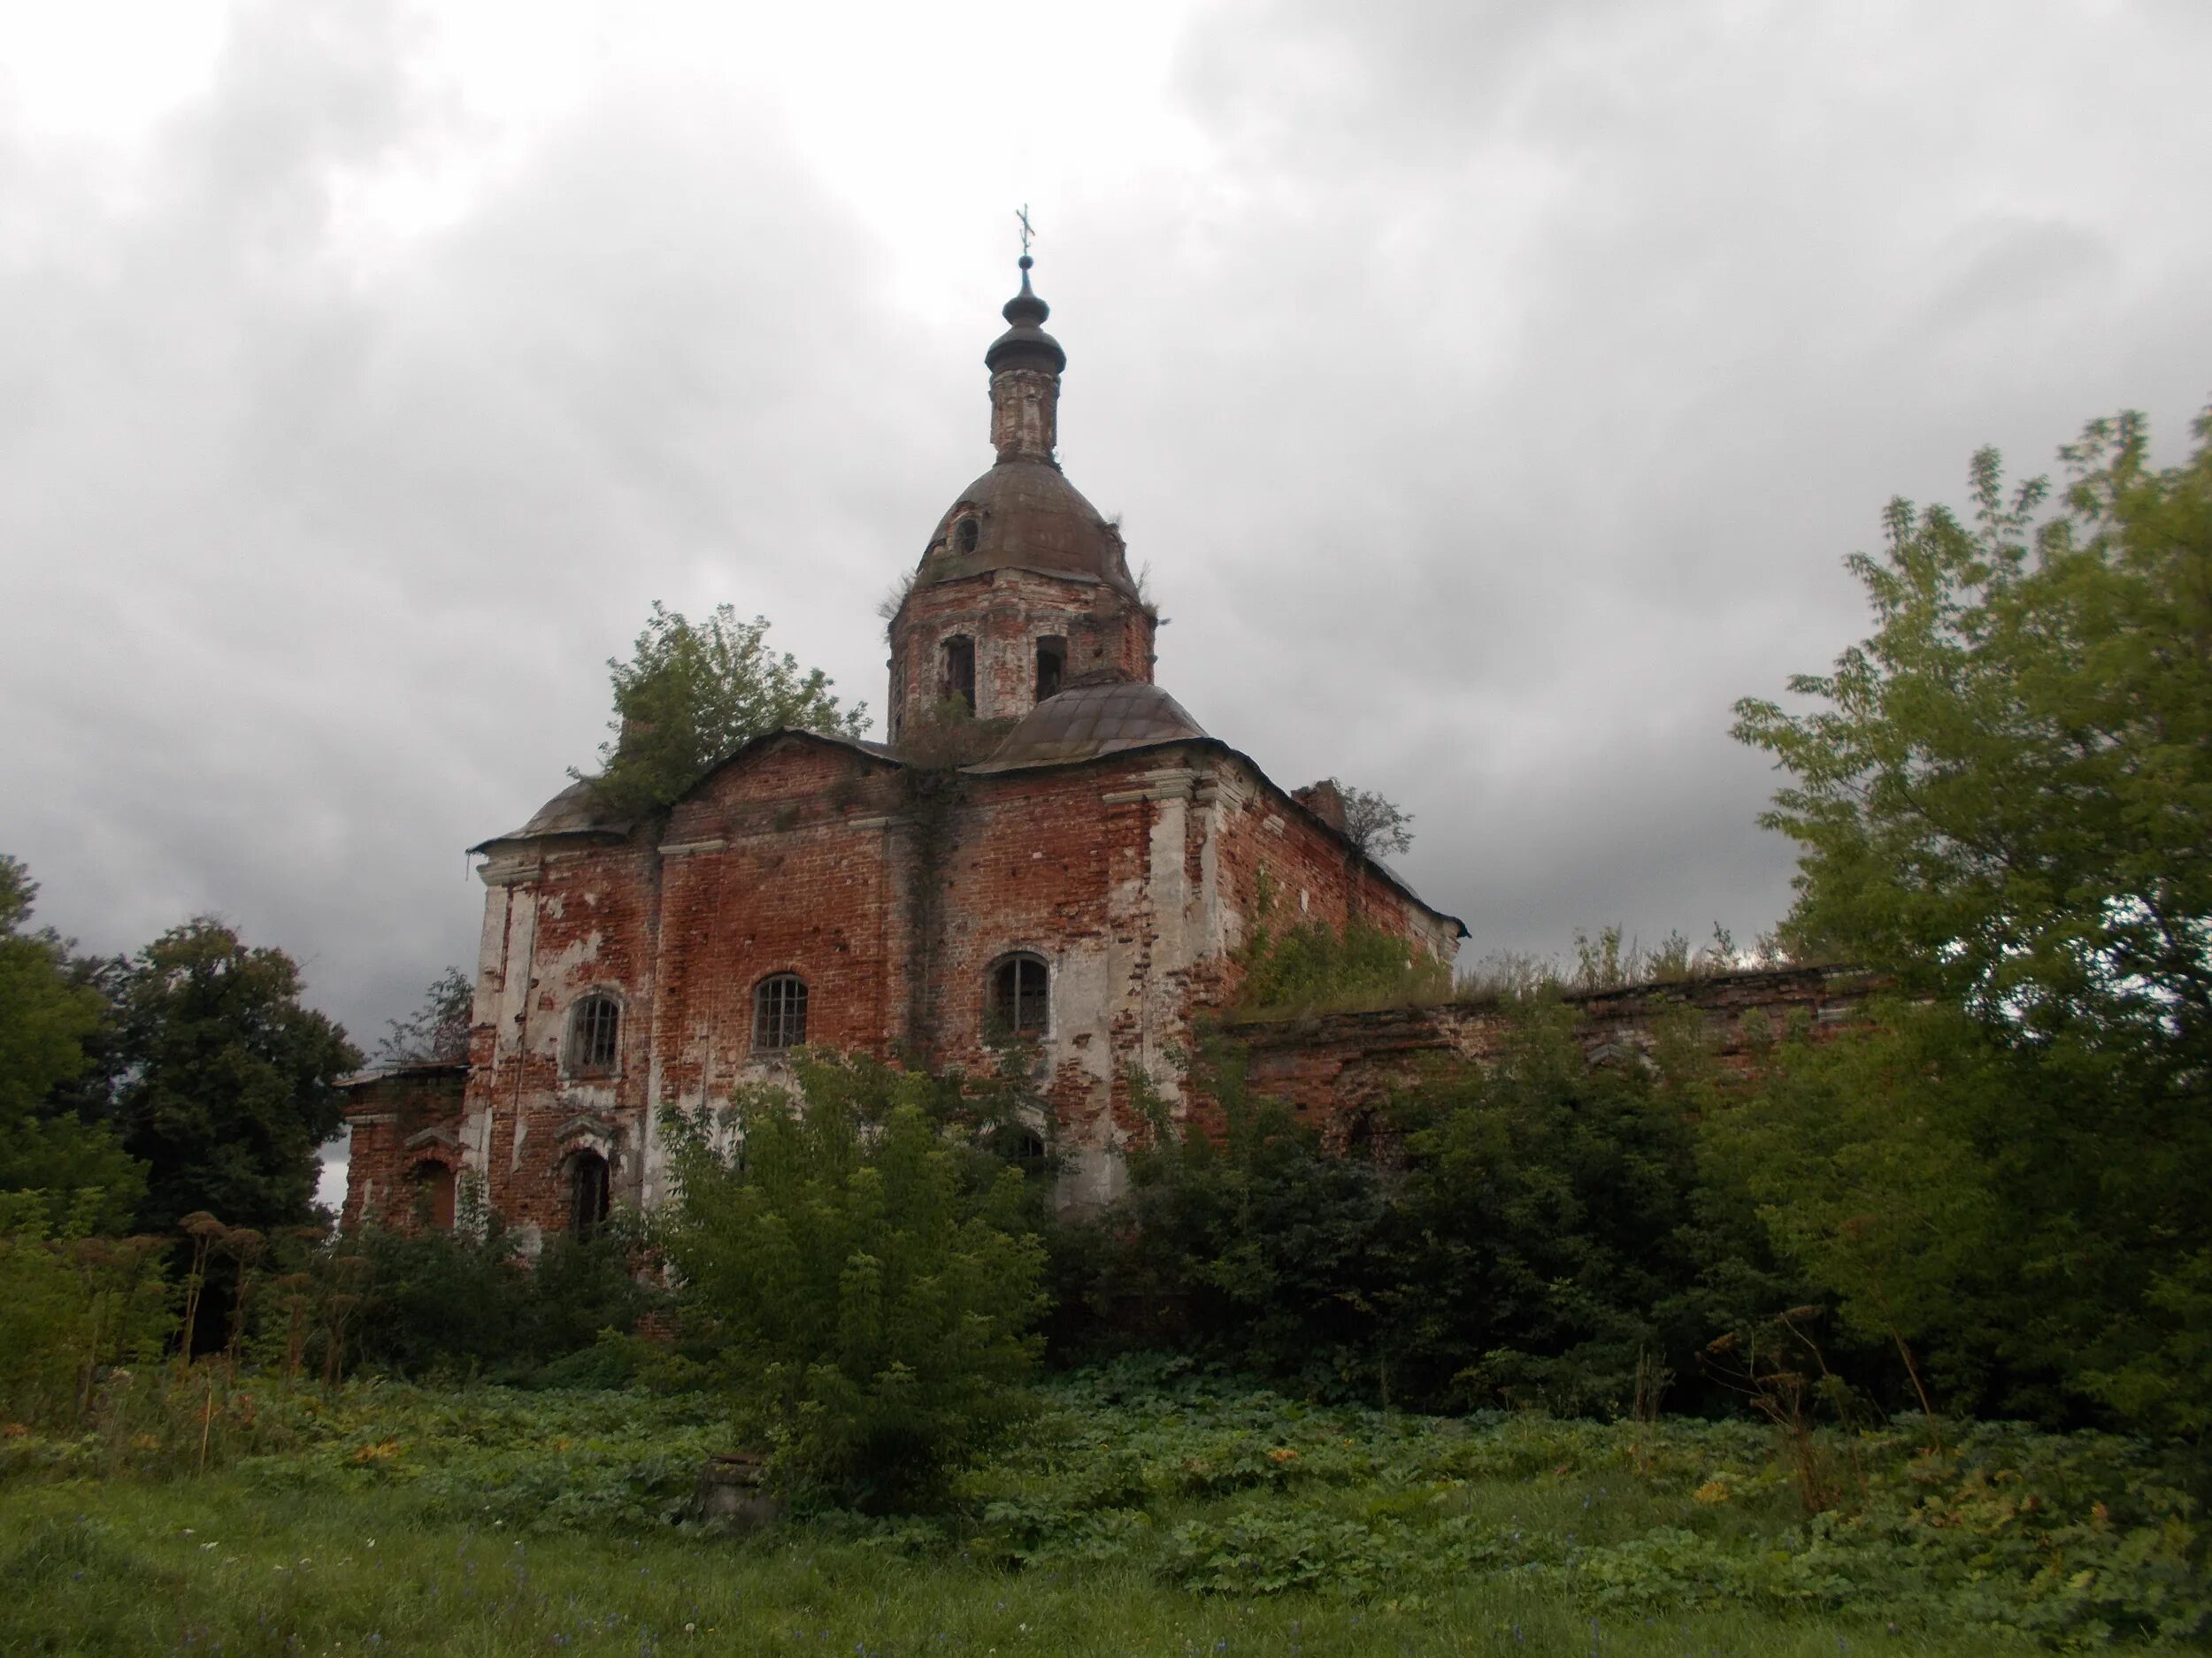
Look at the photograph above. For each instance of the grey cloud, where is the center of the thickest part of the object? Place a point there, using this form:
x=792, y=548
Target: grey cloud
x=1494, y=408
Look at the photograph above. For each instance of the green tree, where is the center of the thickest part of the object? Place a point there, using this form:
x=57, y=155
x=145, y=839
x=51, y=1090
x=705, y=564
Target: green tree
x=52, y=1020
x=1531, y=1230
x=73, y=1304
x=871, y=1305
x=1866, y=1160
x=2002, y=798
x=232, y=1089
x=437, y=1030
x=1377, y=826
x=696, y=691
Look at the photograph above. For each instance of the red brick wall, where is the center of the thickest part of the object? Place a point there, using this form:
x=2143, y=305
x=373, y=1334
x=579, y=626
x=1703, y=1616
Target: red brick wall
x=564, y=922
x=1131, y=875
x=1334, y=1069
x=1277, y=858
x=1005, y=612
x=385, y=1109
x=793, y=872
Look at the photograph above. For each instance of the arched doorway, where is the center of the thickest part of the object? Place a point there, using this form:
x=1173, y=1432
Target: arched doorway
x=588, y=1194
x=433, y=1195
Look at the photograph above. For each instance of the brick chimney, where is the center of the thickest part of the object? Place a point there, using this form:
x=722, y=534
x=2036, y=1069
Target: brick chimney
x=1324, y=801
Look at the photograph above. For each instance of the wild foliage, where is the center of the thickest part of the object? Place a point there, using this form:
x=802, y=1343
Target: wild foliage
x=52, y=1021
x=1377, y=826
x=233, y=1084
x=1537, y=1231
x=75, y=1304
x=1144, y=1506
x=868, y=1302
x=2001, y=797
x=1312, y=967
x=696, y=692
x=442, y=1301
x=438, y=1030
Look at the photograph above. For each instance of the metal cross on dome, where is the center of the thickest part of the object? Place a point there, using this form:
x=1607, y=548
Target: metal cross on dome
x=1022, y=213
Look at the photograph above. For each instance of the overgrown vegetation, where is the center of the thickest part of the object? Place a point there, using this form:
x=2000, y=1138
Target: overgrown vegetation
x=2001, y=797
x=75, y=1305
x=1147, y=1509
x=137, y=1092
x=1311, y=966
x=56, y=1025
x=1379, y=826
x=868, y=1292
x=1541, y=1232
x=460, y=1304
x=696, y=692
x=438, y=1031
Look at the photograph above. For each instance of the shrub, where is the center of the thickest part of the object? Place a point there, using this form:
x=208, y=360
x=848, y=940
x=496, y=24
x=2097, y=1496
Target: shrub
x=451, y=1302
x=73, y=1304
x=870, y=1306
x=1315, y=968
x=1535, y=1231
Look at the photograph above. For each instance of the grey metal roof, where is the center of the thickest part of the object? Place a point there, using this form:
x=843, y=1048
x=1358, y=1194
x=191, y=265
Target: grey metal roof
x=575, y=810
x=1087, y=721
x=1028, y=517
x=400, y=1068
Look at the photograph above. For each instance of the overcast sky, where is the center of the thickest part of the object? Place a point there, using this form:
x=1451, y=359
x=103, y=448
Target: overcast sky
x=1493, y=391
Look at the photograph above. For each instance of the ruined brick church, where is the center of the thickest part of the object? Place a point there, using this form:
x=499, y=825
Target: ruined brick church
x=1069, y=861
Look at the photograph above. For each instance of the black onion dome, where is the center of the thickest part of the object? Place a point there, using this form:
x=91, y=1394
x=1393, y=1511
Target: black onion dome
x=1025, y=344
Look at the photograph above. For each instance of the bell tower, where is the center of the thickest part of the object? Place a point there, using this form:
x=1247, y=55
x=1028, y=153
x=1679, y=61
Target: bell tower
x=1023, y=587
x=1026, y=364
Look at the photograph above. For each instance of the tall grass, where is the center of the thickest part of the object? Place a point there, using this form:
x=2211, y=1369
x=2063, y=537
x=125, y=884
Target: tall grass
x=217, y=1568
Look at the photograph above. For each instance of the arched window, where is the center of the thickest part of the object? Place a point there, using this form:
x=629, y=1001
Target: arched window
x=965, y=536
x=959, y=676
x=594, y=1030
x=433, y=1195
x=778, y=1013
x=1052, y=664
x=587, y=1193
x=1020, y=1005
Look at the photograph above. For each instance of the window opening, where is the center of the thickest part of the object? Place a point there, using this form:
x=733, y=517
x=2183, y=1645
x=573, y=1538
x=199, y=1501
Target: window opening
x=594, y=1036
x=1052, y=664
x=434, y=1194
x=780, y=1013
x=967, y=535
x=1019, y=1004
x=960, y=670
x=588, y=1194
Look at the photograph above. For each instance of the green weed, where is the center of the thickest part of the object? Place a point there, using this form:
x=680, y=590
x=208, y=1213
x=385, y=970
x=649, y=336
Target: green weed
x=1145, y=1512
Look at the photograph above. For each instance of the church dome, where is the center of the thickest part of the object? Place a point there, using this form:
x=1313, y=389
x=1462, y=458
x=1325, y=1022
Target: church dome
x=1025, y=343
x=1087, y=721
x=1025, y=514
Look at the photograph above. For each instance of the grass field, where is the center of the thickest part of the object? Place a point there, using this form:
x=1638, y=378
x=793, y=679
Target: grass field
x=1138, y=1517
